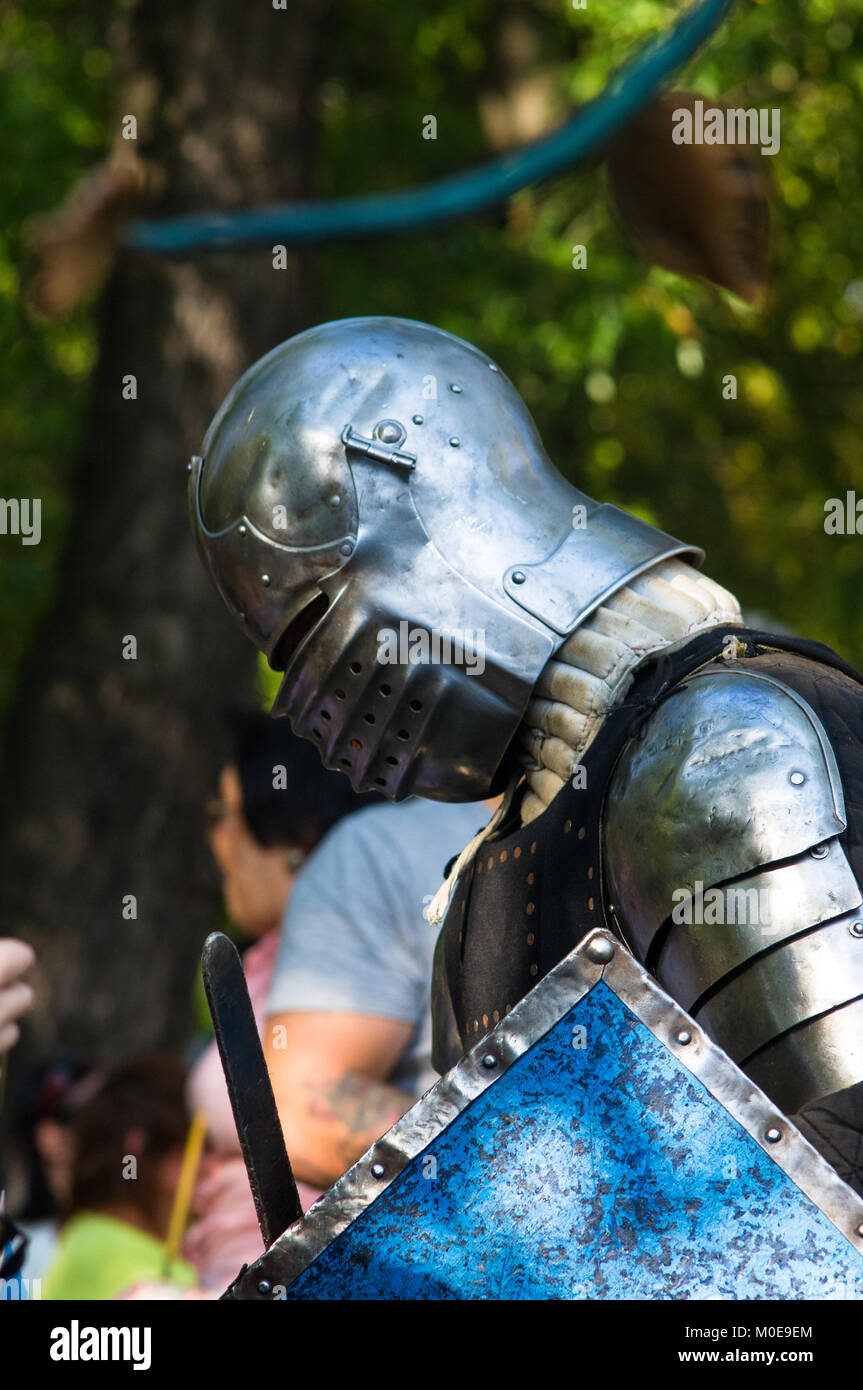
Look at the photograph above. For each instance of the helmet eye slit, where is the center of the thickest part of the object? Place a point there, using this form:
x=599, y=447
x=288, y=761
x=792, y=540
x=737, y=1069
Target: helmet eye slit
x=297, y=630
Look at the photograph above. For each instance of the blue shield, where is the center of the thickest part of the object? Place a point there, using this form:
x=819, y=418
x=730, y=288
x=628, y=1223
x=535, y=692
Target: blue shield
x=596, y=1144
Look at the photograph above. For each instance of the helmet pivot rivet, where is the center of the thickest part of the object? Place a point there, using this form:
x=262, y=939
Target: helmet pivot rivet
x=334, y=501
x=346, y=548
x=378, y=1170
x=684, y=1037
x=518, y=576
x=796, y=779
x=773, y=1135
x=489, y=1061
x=856, y=928
x=389, y=432
x=265, y=580
x=265, y=1288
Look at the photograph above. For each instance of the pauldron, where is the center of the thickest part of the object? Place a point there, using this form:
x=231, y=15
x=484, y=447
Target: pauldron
x=732, y=865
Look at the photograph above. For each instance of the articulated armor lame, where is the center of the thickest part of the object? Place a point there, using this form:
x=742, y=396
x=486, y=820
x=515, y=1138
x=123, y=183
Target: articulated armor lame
x=732, y=806
x=688, y=785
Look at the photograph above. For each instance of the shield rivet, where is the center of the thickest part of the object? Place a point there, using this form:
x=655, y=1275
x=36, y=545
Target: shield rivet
x=378, y=1170
x=684, y=1037
x=773, y=1135
x=265, y=580
x=489, y=1061
x=518, y=576
x=796, y=779
x=265, y=1288
x=600, y=951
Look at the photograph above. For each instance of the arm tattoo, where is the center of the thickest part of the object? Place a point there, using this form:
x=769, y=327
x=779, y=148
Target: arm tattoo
x=358, y=1109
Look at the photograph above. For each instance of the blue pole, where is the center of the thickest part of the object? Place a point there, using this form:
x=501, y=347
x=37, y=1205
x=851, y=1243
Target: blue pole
x=459, y=194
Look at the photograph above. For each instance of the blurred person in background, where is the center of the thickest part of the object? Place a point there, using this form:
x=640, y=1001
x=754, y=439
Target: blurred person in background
x=275, y=804
x=16, y=996
x=40, y=1162
x=127, y=1149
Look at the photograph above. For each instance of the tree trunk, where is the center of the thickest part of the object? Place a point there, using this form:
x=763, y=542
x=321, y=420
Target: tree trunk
x=109, y=760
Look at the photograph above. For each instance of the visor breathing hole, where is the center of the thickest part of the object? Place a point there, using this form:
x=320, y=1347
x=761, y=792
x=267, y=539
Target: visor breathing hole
x=380, y=781
x=316, y=733
x=416, y=706
x=393, y=762
x=355, y=743
x=325, y=714
x=356, y=668
x=369, y=718
x=403, y=735
x=339, y=694
x=345, y=762
x=385, y=689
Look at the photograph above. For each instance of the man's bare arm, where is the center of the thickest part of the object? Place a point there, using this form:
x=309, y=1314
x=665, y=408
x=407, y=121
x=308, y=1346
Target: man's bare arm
x=328, y=1072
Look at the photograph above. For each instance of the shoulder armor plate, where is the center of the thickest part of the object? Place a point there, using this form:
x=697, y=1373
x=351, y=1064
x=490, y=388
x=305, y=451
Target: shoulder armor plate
x=734, y=771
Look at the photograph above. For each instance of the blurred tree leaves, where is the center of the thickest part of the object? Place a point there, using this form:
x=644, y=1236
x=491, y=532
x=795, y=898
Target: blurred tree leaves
x=55, y=91
x=622, y=364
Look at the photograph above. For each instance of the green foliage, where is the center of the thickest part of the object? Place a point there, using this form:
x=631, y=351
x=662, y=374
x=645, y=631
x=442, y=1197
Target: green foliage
x=622, y=364
x=54, y=92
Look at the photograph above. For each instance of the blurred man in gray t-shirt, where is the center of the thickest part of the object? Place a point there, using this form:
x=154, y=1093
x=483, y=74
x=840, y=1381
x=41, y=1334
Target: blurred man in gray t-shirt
x=348, y=1034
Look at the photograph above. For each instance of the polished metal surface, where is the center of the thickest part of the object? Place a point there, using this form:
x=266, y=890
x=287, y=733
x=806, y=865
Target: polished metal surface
x=751, y=915
x=538, y=1013
x=799, y=980
x=372, y=472
x=812, y=1061
x=610, y=549
x=731, y=773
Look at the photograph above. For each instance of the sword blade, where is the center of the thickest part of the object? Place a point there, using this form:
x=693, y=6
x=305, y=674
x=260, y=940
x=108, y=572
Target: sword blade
x=274, y=1191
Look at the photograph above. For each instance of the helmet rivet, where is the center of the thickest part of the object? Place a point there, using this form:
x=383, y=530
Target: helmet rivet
x=773, y=1135
x=819, y=851
x=455, y=388
x=334, y=501
x=265, y=580
x=454, y=441
x=241, y=529
x=489, y=1061
x=389, y=432
x=856, y=929
x=265, y=1288
x=346, y=548
x=493, y=367
x=418, y=419
x=683, y=1036
x=378, y=1170
x=859, y=1231
x=518, y=576
x=599, y=951
x=796, y=779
